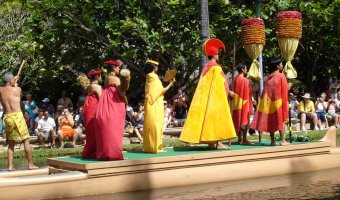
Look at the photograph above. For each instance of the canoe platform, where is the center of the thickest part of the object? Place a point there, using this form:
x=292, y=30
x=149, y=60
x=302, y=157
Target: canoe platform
x=74, y=176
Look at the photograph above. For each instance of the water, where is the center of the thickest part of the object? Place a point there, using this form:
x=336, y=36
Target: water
x=323, y=184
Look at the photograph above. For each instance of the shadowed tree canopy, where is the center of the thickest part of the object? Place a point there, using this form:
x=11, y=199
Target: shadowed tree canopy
x=64, y=37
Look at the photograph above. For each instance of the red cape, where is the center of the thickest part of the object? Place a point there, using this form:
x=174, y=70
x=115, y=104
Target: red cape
x=90, y=106
x=110, y=120
x=272, y=109
x=242, y=102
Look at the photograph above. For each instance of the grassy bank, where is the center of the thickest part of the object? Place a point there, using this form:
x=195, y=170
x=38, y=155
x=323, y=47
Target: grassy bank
x=48, y=153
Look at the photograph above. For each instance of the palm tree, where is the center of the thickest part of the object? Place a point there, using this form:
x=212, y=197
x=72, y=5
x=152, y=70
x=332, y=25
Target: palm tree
x=205, y=33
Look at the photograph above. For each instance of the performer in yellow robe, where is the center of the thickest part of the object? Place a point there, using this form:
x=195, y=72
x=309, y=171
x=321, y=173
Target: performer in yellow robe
x=209, y=119
x=153, y=109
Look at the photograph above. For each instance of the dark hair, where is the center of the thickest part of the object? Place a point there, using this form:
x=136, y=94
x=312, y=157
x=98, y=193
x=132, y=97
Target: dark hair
x=149, y=68
x=240, y=67
x=272, y=64
x=210, y=57
x=94, y=77
x=108, y=67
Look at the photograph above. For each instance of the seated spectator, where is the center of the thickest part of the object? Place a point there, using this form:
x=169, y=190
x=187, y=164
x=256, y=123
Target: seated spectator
x=321, y=107
x=130, y=114
x=66, y=123
x=139, y=118
x=30, y=106
x=294, y=105
x=167, y=115
x=306, y=110
x=332, y=107
x=64, y=100
x=79, y=123
x=39, y=117
x=180, y=108
x=48, y=106
x=46, y=127
x=29, y=123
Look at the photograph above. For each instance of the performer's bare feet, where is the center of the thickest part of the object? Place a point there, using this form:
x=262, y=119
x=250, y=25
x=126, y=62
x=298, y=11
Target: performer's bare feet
x=273, y=143
x=11, y=169
x=285, y=143
x=221, y=146
x=239, y=141
x=246, y=142
x=212, y=146
x=31, y=167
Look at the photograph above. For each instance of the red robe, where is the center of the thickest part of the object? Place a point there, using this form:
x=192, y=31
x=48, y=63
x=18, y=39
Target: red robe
x=90, y=106
x=110, y=120
x=272, y=109
x=242, y=103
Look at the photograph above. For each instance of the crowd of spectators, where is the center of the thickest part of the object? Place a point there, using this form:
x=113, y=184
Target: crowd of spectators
x=48, y=124
x=320, y=111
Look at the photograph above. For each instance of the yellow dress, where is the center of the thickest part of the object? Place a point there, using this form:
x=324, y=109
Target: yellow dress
x=209, y=117
x=153, y=114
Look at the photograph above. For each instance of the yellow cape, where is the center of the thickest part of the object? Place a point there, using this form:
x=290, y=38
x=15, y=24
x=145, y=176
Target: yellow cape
x=209, y=117
x=153, y=115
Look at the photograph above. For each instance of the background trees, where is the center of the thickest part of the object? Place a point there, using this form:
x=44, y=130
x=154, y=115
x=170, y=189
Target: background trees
x=63, y=37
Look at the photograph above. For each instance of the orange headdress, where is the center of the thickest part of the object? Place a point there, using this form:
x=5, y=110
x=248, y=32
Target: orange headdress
x=212, y=46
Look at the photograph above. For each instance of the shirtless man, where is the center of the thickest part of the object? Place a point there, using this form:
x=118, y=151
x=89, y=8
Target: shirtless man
x=15, y=125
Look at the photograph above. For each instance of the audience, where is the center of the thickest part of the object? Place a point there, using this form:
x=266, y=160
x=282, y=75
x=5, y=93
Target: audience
x=321, y=107
x=139, y=119
x=294, y=105
x=306, y=110
x=332, y=108
x=66, y=123
x=30, y=106
x=167, y=115
x=46, y=128
x=48, y=106
x=29, y=123
x=64, y=100
x=180, y=108
x=79, y=123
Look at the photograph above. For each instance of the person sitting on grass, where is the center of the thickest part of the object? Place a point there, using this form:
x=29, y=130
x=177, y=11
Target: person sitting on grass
x=66, y=124
x=46, y=127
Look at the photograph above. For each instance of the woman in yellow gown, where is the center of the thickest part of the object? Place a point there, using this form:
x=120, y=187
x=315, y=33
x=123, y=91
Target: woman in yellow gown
x=153, y=109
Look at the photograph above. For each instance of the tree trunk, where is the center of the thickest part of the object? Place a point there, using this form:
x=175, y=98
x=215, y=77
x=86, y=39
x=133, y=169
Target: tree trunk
x=205, y=33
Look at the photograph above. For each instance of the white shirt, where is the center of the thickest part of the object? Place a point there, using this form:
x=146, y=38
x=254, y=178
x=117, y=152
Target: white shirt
x=167, y=113
x=46, y=125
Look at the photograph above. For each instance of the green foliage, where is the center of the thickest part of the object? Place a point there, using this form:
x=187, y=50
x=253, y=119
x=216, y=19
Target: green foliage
x=65, y=37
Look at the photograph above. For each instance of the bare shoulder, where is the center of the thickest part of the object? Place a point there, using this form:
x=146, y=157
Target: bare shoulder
x=113, y=80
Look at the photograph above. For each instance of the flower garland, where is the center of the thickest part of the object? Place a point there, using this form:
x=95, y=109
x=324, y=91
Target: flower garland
x=253, y=31
x=289, y=24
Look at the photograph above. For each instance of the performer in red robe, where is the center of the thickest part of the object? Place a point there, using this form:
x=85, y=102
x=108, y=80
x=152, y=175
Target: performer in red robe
x=242, y=104
x=110, y=117
x=94, y=91
x=272, y=109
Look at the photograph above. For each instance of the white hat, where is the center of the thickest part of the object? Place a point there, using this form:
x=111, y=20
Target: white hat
x=46, y=100
x=306, y=96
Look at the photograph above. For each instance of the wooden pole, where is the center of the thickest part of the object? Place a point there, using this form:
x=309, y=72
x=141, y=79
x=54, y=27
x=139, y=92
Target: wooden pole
x=21, y=66
x=233, y=70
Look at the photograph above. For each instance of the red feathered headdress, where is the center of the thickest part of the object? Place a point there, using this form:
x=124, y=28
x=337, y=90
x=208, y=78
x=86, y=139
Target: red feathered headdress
x=112, y=62
x=94, y=72
x=212, y=46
